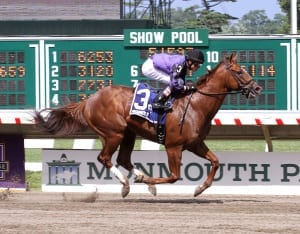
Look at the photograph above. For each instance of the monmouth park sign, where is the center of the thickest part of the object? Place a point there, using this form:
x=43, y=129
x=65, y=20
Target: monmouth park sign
x=239, y=172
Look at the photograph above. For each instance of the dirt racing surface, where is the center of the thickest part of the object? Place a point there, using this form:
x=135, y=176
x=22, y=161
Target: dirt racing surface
x=38, y=212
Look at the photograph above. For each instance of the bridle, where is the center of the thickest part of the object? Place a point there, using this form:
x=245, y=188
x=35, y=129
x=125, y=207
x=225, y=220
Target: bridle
x=245, y=86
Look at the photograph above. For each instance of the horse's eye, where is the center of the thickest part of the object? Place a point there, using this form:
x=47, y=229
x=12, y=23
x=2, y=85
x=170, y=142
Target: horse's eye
x=240, y=72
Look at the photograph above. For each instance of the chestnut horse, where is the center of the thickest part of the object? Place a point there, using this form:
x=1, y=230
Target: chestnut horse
x=107, y=113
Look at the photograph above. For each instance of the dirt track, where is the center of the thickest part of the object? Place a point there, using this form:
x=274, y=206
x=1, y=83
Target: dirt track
x=37, y=212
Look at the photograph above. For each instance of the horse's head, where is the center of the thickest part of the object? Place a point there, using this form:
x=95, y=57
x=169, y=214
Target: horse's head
x=240, y=78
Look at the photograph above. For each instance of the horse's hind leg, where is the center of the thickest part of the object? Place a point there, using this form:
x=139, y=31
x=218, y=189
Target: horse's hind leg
x=124, y=157
x=110, y=145
x=174, y=161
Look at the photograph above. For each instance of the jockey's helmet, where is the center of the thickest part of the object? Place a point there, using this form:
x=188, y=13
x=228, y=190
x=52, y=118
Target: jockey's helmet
x=195, y=55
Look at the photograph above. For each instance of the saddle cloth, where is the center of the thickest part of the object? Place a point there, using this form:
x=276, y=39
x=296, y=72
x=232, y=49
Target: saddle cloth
x=142, y=103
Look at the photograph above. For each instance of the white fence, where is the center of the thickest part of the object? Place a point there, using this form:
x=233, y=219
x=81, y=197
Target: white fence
x=79, y=144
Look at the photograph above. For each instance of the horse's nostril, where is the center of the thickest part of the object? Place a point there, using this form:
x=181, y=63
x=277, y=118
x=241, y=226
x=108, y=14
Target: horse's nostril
x=258, y=89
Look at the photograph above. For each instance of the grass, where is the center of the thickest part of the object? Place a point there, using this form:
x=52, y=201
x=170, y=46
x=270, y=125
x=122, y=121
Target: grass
x=34, y=179
x=253, y=145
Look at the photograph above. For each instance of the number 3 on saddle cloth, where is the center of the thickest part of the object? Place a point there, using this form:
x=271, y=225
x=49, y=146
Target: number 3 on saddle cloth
x=142, y=106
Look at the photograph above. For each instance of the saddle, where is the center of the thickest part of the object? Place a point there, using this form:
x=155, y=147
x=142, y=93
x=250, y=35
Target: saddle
x=142, y=106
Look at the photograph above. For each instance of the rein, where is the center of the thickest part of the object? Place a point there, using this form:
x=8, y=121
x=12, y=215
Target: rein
x=184, y=113
x=235, y=75
x=218, y=94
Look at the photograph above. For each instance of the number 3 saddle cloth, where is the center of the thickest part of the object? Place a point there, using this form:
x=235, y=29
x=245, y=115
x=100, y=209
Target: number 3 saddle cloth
x=142, y=104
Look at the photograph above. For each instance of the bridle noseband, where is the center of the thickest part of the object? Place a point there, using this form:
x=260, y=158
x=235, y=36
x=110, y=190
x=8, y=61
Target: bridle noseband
x=244, y=86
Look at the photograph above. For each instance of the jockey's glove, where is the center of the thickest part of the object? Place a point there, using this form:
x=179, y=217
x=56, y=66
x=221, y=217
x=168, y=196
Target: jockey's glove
x=190, y=87
x=177, y=84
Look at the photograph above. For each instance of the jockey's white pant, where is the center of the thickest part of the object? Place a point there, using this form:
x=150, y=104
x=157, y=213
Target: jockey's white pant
x=150, y=71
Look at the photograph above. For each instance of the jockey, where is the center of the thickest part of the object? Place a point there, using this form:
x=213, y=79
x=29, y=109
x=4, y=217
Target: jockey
x=171, y=69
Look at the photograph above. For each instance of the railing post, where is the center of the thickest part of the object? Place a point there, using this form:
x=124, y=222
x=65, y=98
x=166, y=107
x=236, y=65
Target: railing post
x=269, y=144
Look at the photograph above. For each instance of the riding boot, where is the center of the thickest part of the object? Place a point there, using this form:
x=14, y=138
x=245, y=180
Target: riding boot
x=159, y=101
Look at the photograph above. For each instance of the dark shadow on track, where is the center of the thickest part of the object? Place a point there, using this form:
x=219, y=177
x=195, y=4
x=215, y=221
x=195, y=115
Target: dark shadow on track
x=246, y=200
x=172, y=201
x=188, y=201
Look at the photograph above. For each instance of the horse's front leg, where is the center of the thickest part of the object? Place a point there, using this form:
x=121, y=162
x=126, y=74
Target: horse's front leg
x=214, y=167
x=201, y=150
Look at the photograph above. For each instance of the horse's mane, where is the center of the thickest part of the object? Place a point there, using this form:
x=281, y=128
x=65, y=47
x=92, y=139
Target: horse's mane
x=202, y=79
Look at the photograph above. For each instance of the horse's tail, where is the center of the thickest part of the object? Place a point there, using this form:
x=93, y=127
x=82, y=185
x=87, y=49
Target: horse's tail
x=62, y=121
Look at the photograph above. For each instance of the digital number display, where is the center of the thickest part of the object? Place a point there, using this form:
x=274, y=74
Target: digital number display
x=260, y=64
x=80, y=73
x=12, y=79
x=89, y=63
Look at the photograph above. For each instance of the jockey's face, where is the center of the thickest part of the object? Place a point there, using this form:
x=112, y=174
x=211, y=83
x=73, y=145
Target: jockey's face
x=193, y=66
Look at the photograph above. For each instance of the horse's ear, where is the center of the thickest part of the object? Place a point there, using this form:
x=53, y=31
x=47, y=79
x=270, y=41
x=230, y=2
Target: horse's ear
x=233, y=58
x=226, y=59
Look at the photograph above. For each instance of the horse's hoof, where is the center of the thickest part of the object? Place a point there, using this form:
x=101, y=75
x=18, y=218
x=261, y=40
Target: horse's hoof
x=152, y=189
x=125, y=190
x=199, y=190
x=139, y=179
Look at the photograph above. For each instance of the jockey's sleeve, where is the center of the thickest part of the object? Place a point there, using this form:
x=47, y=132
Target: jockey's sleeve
x=176, y=71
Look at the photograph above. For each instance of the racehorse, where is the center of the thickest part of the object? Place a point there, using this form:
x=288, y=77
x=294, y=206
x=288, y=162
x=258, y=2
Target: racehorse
x=188, y=123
